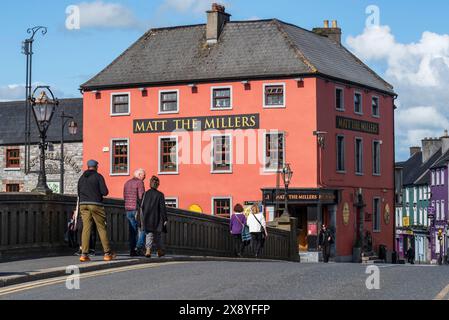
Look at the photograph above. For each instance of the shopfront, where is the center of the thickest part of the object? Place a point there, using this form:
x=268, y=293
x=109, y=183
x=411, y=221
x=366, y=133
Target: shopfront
x=311, y=207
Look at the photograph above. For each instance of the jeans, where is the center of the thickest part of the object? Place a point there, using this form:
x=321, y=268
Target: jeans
x=239, y=245
x=136, y=237
x=258, y=242
x=90, y=214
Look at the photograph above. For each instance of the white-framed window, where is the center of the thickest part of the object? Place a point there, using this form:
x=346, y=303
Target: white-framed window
x=171, y=202
x=438, y=177
x=168, y=101
x=221, y=98
x=274, y=95
x=339, y=99
x=358, y=103
x=442, y=177
x=438, y=210
x=415, y=195
x=407, y=195
x=120, y=104
x=432, y=182
x=222, y=206
x=359, y=156
x=221, y=153
x=420, y=195
x=376, y=158
x=421, y=212
x=375, y=107
x=443, y=210
x=376, y=214
x=119, y=155
x=341, y=163
x=426, y=218
x=168, y=155
x=437, y=243
x=274, y=151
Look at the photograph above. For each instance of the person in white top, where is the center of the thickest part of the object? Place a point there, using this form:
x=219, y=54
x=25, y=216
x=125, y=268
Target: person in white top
x=258, y=229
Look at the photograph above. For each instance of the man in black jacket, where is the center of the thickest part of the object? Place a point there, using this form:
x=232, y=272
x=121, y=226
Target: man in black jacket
x=325, y=241
x=91, y=190
x=154, y=217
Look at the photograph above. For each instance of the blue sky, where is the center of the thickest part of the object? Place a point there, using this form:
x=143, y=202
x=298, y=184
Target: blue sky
x=65, y=59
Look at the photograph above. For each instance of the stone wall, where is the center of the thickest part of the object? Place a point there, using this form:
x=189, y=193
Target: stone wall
x=73, y=155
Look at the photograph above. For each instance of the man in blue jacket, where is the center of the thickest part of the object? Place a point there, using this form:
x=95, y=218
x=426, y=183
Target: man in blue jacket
x=91, y=190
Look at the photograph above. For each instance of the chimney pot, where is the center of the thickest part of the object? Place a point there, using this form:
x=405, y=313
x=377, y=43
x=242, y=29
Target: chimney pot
x=326, y=24
x=334, y=24
x=333, y=33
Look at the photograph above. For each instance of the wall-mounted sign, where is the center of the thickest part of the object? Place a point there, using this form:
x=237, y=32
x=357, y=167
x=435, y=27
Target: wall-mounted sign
x=246, y=121
x=301, y=196
x=406, y=221
x=387, y=214
x=312, y=229
x=357, y=125
x=346, y=214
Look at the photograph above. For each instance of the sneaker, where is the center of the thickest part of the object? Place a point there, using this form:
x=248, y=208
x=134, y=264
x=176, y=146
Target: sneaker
x=160, y=253
x=84, y=258
x=148, y=253
x=78, y=253
x=92, y=252
x=134, y=253
x=109, y=256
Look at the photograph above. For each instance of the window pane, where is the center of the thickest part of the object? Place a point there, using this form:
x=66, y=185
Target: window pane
x=358, y=103
x=358, y=156
x=221, y=153
x=274, y=95
x=339, y=99
x=274, y=145
x=222, y=207
x=340, y=153
x=120, y=156
x=375, y=104
x=120, y=104
x=169, y=155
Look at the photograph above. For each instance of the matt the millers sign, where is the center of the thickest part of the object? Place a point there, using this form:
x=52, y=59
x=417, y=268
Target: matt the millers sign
x=357, y=125
x=234, y=122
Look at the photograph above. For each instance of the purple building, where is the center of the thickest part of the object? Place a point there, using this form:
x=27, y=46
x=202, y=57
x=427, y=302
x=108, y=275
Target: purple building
x=439, y=203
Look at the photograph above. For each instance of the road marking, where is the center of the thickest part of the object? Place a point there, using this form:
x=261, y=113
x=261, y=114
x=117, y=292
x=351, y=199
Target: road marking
x=48, y=282
x=442, y=294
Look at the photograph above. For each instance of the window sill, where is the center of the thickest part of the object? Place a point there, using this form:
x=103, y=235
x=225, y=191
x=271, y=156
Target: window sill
x=120, y=114
x=341, y=172
x=119, y=174
x=377, y=175
x=340, y=110
x=168, y=173
x=220, y=109
x=168, y=112
x=221, y=172
x=377, y=117
x=359, y=174
x=275, y=107
x=12, y=169
x=358, y=113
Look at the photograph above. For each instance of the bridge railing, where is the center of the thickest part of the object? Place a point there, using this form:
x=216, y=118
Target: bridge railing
x=34, y=225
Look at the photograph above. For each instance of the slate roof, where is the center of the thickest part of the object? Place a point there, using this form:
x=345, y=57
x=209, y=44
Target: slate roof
x=417, y=173
x=441, y=161
x=246, y=49
x=12, y=130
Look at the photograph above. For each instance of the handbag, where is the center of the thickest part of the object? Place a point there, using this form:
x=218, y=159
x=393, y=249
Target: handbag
x=263, y=231
x=246, y=236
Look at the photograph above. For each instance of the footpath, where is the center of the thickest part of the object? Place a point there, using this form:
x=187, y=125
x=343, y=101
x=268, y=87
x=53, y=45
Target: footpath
x=22, y=271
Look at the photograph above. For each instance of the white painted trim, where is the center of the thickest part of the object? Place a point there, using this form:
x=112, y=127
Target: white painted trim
x=361, y=102
x=212, y=153
x=355, y=157
x=378, y=106
x=265, y=170
x=342, y=98
x=159, y=155
x=12, y=169
x=264, y=96
x=380, y=158
x=231, y=208
x=160, y=101
x=111, y=150
x=129, y=104
x=176, y=199
x=212, y=98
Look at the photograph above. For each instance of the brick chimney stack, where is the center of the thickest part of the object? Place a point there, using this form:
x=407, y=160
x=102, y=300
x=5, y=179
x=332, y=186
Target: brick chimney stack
x=429, y=147
x=414, y=150
x=216, y=20
x=334, y=33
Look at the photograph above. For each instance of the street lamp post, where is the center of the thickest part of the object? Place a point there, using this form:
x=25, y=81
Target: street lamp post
x=43, y=109
x=287, y=174
x=73, y=129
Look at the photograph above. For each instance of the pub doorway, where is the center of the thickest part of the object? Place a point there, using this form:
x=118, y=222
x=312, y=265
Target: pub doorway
x=300, y=212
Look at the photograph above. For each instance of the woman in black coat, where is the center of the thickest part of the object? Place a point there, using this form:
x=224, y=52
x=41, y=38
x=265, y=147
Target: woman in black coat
x=154, y=217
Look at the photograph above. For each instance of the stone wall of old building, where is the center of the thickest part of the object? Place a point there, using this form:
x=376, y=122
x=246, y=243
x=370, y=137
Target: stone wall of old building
x=73, y=164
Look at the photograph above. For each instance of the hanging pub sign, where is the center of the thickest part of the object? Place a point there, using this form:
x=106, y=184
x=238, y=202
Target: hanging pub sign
x=232, y=122
x=357, y=125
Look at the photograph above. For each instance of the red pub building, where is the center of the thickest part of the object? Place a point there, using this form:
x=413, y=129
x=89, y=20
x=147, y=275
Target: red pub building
x=217, y=110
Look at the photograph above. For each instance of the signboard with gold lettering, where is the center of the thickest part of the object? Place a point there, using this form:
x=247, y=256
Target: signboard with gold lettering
x=301, y=196
x=357, y=125
x=233, y=122
x=387, y=214
x=346, y=214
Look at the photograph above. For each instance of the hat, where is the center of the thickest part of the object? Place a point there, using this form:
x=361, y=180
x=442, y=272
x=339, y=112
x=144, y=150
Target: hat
x=92, y=163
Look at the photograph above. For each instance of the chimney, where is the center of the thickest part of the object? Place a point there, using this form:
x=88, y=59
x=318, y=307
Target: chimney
x=414, y=150
x=333, y=33
x=216, y=20
x=429, y=147
x=445, y=142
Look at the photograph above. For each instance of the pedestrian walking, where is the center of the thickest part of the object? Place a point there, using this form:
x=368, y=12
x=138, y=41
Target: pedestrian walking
x=411, y=255
x=325, y=241
x=154, y=218
x=258, y=229
x=133, y=193
x=91, y=190
x=239, y=230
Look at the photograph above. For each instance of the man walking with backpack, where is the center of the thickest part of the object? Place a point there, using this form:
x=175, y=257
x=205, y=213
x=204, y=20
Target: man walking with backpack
x=91, y=190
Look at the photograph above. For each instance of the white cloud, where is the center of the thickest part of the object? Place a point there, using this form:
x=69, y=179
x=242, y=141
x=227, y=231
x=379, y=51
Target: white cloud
x=99, y=14
x=420, y=73
x=195, y=6
x=14, y=92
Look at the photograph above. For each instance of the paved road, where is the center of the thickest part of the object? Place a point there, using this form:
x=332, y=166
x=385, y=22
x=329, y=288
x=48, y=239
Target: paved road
x=245, y=281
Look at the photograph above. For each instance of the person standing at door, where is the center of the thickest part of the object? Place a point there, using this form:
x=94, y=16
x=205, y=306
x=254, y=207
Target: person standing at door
x=325, y=241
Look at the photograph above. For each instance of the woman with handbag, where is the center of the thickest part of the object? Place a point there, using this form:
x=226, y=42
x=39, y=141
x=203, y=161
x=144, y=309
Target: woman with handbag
x=239, y=230
x=258, y=229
